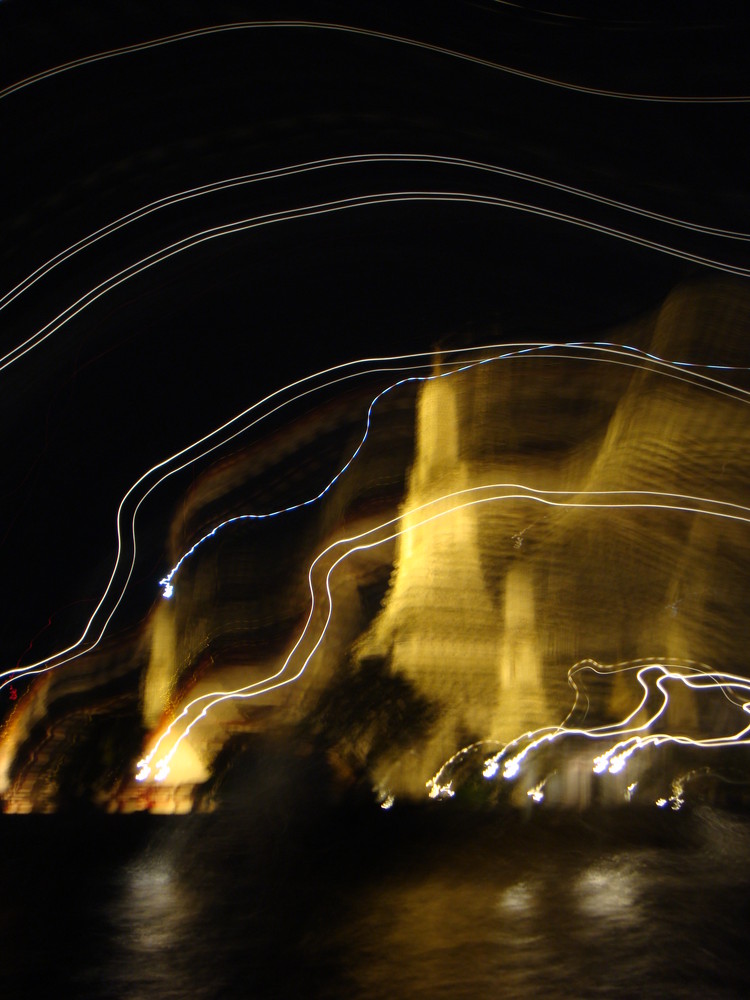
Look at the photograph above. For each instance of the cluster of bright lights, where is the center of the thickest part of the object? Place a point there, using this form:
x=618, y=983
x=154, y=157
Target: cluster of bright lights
x=537, y=792
x=642, y=727
x=601, y=352
x=437, y=786
x=677, y=798
x=437, y=791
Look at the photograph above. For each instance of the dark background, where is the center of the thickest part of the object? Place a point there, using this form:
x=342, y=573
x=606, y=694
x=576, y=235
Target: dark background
x=170, y=354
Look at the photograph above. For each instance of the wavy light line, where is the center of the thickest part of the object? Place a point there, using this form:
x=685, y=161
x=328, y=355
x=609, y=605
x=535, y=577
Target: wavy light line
x=167, y=581
x=368, y=33
x=277, y=680
x=245, y=180
x=343, y=205
x=614, y=759
x=247, y=419
x=437, y=785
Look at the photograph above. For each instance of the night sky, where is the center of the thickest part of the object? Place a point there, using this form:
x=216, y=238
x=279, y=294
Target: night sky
x=176, y=350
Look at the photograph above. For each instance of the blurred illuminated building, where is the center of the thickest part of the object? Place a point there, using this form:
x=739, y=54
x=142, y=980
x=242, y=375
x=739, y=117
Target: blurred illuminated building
x=483, y=608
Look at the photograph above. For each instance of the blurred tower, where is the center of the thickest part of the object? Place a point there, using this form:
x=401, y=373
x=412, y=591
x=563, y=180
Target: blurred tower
x=439, y=613
x=521, y=702
x=440, y=624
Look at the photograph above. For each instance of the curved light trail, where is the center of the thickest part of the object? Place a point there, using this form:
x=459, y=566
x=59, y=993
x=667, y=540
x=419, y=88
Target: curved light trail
x=626, y=736
x=342, y=205
x=368, y=540
x=515, y=354
x=126, y=551
x=215, y=439
x=346, y=29
x=312, y=166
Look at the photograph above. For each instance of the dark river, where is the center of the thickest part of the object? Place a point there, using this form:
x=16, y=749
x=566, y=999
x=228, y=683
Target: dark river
x=272, y=899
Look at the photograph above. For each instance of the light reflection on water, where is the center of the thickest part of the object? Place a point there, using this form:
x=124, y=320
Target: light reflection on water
x=156, y=907
x=518, y=899
x=482, y=930
x=152, y=919
x=609, y=892
x=370, y=908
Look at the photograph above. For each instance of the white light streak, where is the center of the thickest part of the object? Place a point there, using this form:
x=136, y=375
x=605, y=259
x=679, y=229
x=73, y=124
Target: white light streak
x=537, y=792
x=342, y=205
x=275, y=401
x=143, y=771
x=438, y=780
x=437, y=791
x=369, y=33
x=252, y=179
x=611, y=354
x=631, y=738
x=481, y=495
x=167, y=581
x=639, y=736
